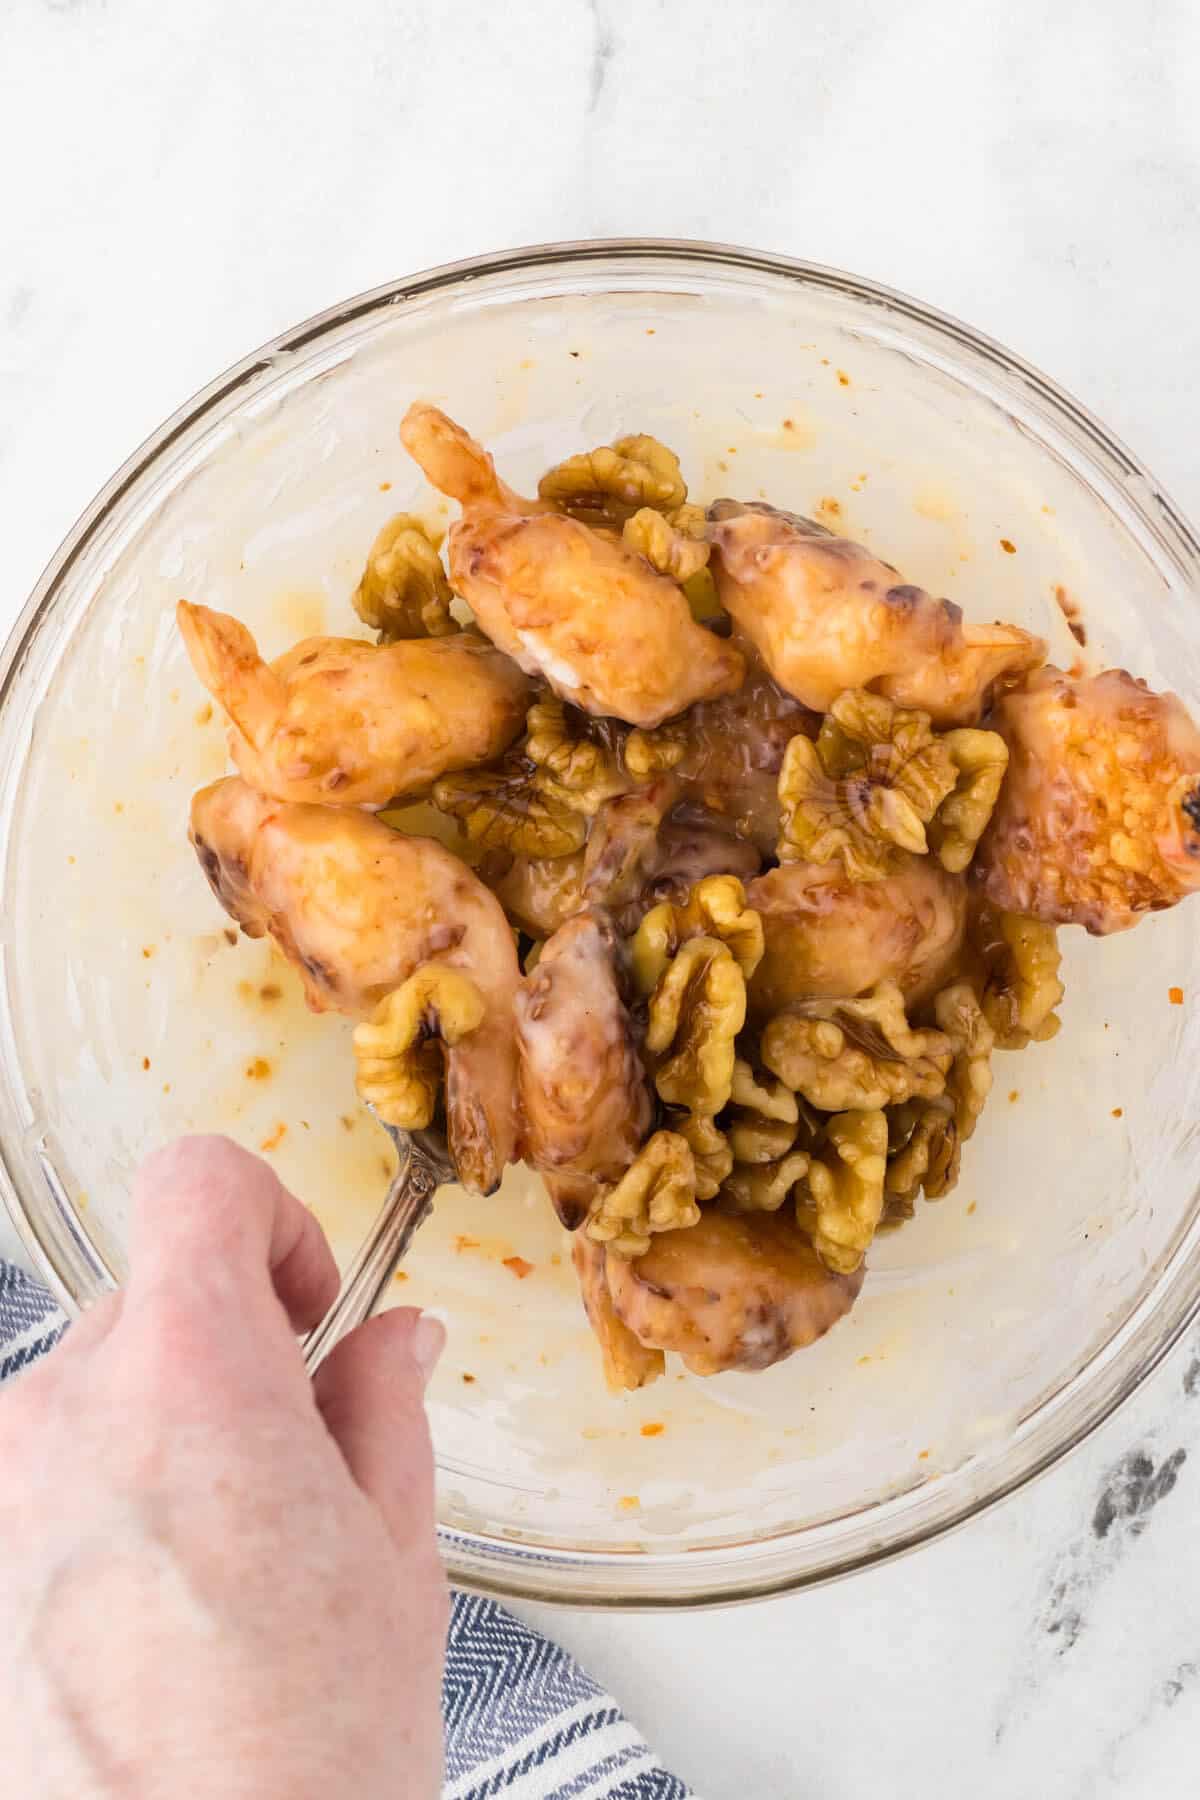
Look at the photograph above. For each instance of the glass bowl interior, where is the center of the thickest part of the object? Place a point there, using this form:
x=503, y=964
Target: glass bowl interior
x=997, y=1326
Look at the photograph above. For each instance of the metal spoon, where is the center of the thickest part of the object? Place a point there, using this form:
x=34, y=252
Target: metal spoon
x=424, y=1166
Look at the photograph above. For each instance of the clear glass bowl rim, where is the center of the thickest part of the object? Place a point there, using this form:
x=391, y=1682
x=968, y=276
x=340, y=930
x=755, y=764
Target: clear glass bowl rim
x=755, y=1568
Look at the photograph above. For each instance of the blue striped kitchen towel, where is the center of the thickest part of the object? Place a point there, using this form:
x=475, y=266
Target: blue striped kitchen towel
x=523, y=1721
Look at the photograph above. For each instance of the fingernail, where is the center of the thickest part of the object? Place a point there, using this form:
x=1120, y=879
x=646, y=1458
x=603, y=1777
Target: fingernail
x=427, y=1343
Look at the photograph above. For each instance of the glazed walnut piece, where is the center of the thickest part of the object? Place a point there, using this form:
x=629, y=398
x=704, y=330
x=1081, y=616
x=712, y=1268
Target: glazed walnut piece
x=856, y=1054
x=608, y=485
x=695, y=1014
x=715, y=907
x=656, y=1193
x=398, y=1051
x=729, y=1292
x=583, y=1095
x=343, y=723
x=675, y=545
x=866, y=788
x=969, y=1082
x=876, y=778
x=403, y=591
x=712, y=1154
x=504, y=808
x=570, y=604
x=574, y=769
x=840, y=1202
x=1020, y=961
x=1098, y=822
x=924, y=1152
x=826, y=615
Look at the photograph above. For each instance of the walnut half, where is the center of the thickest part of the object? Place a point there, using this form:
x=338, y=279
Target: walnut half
x=855, y=1054
x=695, y=1014
x=503, y=808
x=715, y=907
x=608, y=484
x=403, y=592
x=879, y=780
x=656, y=1193
x=1021, y=988
x=845, y=1186
x=398, y=1062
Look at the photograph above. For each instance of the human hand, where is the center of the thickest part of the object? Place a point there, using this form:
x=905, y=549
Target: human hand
x=218, y=1578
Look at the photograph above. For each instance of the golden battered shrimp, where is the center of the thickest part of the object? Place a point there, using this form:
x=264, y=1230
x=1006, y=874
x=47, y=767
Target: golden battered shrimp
x=826, y=615
x=1098, y=821
x=593, y=618
x=731, y=1292
x=354, y=724
x=830, y=937
x=357, y=908
x=584, y=1098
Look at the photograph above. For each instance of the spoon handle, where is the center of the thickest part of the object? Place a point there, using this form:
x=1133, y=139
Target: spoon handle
x=407, y=1205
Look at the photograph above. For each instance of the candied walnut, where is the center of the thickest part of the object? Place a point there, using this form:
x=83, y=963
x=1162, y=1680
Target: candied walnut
x=607, y=485
x=755, y=1090
x=869, y=786
x=753, y=1139
x=650, y=753
x=924, y=1151
x=845, y=1180
x=695, y=1014
x=628, y=1364
x=674, y=543
x=1098, y=821
x=575, y=770
x=981, y=760
x=1021, y=986
x=399, y=1062
x=855, y=1054
x=764, y=1118
x=716, y=908
x=710, y=1151
x=764, y=1187
x=656, y=1193
x=504, y=808
x=729, y=1293
x=403, y=592
x=960, y=1017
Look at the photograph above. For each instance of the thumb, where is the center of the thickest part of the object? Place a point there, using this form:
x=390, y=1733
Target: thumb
x=370, y=1392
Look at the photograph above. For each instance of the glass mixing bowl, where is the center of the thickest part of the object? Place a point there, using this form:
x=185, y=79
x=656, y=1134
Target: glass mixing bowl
x=999, y=1326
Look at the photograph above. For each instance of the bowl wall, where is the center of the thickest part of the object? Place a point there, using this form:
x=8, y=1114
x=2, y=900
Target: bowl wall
x=998, y=1325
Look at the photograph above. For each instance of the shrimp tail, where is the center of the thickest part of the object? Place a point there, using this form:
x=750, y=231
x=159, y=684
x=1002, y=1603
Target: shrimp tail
x=225, y=657
x=450, y=458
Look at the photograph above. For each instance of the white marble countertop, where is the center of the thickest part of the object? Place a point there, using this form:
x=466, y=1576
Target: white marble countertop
x=183, y=182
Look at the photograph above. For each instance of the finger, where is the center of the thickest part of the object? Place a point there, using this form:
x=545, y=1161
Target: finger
x=371, y=1394
x=212, y=1220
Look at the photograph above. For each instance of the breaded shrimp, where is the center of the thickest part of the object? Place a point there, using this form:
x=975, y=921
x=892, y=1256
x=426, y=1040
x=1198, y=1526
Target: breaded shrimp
x=826, y=615
x=354, y=724
x=830, y=937
x=1098, y=821
x=593, y=618
x=584, y=1096
x=627, y=1363
x=357, y=908
x=732, y=1292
